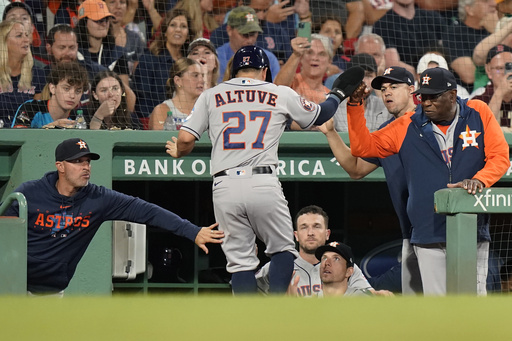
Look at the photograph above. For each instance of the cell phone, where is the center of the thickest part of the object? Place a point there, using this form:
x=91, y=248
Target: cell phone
x=508, y=70
x=305, y=30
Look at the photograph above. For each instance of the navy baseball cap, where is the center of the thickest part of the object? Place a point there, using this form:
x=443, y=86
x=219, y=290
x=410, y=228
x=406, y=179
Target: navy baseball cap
x=16, y=4
x=394, y=74
x=73, y=149
x=342, y=249
x=496, y=50
x=435, y=81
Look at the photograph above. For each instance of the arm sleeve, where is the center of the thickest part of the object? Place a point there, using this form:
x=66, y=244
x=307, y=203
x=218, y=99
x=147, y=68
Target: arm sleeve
x=327, y=109
x=124, y=207
x=496, y=147
x=381, y=143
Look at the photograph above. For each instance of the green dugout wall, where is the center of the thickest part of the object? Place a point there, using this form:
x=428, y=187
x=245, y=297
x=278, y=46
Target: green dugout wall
x=135, y=162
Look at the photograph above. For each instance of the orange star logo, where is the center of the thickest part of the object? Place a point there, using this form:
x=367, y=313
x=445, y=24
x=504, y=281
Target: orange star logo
x=469, y=137
x=82, y=144
x=334, y=244
x=426, y=80
x=249, y=17
x=387, y=71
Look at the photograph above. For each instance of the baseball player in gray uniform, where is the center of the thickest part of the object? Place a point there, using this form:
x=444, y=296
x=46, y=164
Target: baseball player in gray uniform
x=245, y=117
x=312, y=232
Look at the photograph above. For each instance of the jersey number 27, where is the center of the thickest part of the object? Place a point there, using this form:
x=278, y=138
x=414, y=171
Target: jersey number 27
x=241, y=127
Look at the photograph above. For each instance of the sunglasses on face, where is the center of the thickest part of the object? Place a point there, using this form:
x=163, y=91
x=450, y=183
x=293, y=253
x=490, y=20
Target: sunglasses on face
x=101, y=21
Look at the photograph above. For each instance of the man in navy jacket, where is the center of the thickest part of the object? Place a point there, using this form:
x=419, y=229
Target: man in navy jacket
x=65, y=211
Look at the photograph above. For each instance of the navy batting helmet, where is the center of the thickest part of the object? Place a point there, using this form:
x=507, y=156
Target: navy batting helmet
x=251, y=57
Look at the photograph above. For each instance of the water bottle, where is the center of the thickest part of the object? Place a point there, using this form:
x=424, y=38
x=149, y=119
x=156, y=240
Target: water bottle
x=80, y=120
x=169, y=123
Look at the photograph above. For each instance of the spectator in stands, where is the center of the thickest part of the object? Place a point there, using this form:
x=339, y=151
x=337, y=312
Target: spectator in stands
x=200, y=11
x=107, y=108
x=375, y=111
x=67, y=12
x=447, y=8
x=409, y=32
x=131, y=41
x=184, y=86
x=498, y=93
x=477, y=19
x=288, y=16
x=62, y=47
x=369, y=43
x=374, y=45
x=314, y=58
x=19, y=81
x=272, y=38
x=502, y=35
x=350, y=12
x=96, y=44
x=203, y=51
x=152, y=71
x=66, y=83
x=506, y=277
x=20, y=11
x=331, y=27
x=243, y=30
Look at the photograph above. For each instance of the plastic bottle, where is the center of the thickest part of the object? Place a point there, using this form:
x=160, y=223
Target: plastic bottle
x=169, y=123
x=80, y=120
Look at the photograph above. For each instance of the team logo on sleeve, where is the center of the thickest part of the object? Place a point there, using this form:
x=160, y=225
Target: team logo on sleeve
x=469, y=138
x=307, y=104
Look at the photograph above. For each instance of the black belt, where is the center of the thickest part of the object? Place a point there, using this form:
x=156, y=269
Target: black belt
x=255, y=170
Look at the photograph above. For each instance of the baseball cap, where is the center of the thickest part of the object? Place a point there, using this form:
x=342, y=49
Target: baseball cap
x=244, y=19
x=72, y=149
x=394, y=74
x=496, y=50
x=435, y=81
x=364, y=60
x=15, y=4
x=342, y=249
x=201, y=42
x=431, y=58
x=93, y=9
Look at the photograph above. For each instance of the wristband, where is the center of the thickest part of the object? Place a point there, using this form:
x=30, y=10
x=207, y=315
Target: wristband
x=94, y=118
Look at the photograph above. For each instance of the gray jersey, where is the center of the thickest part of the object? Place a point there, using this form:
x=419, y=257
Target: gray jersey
x=244, y=109
x=309, y=279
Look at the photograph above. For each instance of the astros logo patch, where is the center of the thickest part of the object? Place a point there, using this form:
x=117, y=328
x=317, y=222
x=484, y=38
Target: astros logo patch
x=387, y=71
x=249, y=17
x=82, y=144
x=469, y=138
x=334, y=244
x=306, y=104
x=426, y=80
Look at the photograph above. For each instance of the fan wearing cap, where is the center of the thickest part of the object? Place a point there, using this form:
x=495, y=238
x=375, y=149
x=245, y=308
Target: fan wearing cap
x=243, y=29
x=396, y=86
x=375, y=111
x=65, y=211
x=245, y=118
x=498, y=92
x=440, y=145
x=96, y=43
x=203, y=51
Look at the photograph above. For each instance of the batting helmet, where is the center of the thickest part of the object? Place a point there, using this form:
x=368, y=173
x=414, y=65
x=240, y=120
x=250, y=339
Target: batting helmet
x=251, y=57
